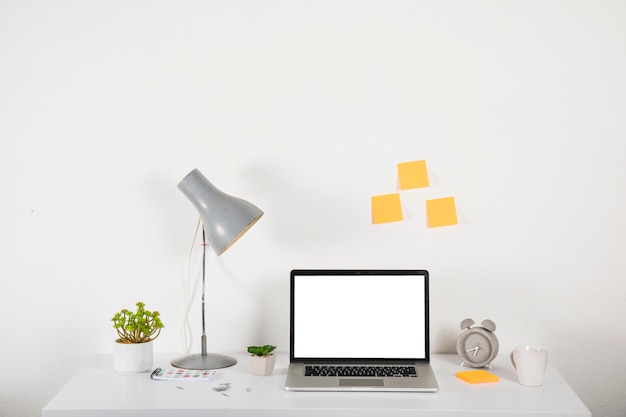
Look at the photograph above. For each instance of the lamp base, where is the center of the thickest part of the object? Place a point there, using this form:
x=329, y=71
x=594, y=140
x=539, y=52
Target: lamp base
x=199, y=361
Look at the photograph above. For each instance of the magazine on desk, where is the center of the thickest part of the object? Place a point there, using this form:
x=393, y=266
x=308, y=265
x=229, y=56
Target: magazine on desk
x=177, y=374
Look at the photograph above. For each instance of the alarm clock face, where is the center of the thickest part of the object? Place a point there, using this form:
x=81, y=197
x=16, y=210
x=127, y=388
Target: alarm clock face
x=477, y=347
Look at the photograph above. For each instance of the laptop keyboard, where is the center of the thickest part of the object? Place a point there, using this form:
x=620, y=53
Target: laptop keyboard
x=361, y=371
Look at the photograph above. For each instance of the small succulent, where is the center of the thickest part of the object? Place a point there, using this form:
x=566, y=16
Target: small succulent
x=264, y=350
x=137, y=327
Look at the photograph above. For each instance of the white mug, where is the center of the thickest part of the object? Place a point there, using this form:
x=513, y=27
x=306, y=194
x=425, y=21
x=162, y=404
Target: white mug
x=530, y=363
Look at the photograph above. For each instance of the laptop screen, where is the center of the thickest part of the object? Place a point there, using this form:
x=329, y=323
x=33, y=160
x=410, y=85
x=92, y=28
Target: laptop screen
x=359, y=314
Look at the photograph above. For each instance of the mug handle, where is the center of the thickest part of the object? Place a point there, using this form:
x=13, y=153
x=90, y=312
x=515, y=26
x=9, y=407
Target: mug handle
x=513, y=360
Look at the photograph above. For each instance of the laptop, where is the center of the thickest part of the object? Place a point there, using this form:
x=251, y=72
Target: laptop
x=359, y=330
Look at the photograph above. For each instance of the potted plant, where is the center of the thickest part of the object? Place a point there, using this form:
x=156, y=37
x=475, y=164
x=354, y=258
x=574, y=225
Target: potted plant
x=262, y=360
x=133, y=349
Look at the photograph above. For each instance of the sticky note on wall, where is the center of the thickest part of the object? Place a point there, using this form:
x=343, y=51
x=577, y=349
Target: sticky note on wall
x=412, y=175
x=386, y=208
x=441, y=212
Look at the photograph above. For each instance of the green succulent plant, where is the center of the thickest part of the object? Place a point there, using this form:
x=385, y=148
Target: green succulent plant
x=137, y=327
x=264, y=350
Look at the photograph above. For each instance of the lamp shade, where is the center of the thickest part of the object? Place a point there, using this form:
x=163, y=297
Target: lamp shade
x=224, y=218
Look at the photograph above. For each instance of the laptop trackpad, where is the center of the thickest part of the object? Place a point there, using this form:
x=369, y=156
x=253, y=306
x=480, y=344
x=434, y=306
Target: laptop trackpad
x=347, y=382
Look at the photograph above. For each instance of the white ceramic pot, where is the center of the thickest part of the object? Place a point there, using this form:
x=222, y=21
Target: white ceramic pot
x=262, y=365
x=133, y=357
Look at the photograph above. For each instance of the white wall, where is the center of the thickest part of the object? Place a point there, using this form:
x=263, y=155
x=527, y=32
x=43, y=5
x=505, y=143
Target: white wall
x=305, y=108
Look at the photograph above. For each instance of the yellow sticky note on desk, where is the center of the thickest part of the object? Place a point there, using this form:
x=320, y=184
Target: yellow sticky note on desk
x=477, y=377
x=386, y=208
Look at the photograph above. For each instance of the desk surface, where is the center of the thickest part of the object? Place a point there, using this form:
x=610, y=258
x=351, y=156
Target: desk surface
x=97, y=390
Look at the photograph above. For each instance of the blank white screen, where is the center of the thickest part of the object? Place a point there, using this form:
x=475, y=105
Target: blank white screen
x=359, y=316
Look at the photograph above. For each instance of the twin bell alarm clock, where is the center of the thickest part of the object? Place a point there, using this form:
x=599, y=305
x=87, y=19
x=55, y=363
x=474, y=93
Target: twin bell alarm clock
x=477, y=346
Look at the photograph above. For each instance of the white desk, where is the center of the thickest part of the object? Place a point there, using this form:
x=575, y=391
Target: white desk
x=97, y=390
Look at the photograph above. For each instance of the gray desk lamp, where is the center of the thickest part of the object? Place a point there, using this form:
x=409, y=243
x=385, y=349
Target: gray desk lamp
x=224, y=220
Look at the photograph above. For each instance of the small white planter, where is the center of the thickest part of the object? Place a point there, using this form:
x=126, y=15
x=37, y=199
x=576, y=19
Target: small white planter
x=133, y=357
x=262, y=365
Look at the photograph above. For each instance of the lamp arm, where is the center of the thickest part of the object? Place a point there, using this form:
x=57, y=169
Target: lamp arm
x=203, y=337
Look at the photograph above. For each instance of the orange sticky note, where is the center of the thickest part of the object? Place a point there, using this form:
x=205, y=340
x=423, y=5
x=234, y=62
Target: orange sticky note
x=441, y=212
x=477, y=377
x=386, y=208
x=412, y=175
